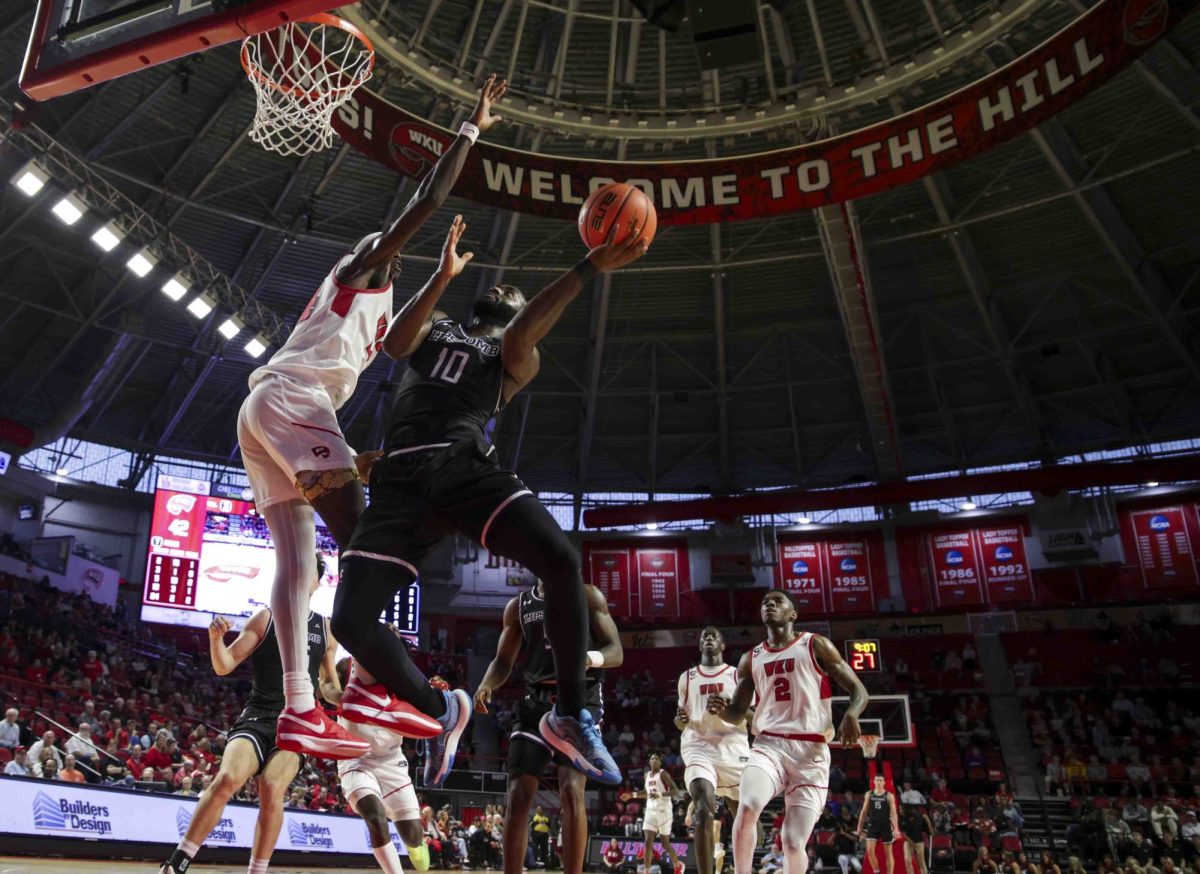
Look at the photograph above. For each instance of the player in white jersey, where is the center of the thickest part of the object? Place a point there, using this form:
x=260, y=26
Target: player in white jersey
x=790, y=755
x=298, y=461
x=659, y=815
x=379, y=788
x=714, y=752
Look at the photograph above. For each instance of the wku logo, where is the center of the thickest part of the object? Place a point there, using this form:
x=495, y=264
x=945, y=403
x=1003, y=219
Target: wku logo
x=320, y=451
x=415, y=147
x=380, y=330
x=1145, y=20
x=223, y=573
x=177, y=504
x=711, y=689
x=779, y=666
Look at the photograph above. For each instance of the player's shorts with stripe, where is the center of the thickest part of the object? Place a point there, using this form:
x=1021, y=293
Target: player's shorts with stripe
x=421, y=495
x=257, y=725
x=719, y=763
x=798, y=768
x=659, y=816
x=879, y=832
x=285, y=427
x=528, y=754
x=385, y=777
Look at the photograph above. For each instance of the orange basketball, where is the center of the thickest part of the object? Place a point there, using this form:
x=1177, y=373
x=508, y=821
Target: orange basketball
x=616, y=202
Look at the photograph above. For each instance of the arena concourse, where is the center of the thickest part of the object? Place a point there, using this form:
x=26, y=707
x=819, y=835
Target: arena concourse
x=345, y=347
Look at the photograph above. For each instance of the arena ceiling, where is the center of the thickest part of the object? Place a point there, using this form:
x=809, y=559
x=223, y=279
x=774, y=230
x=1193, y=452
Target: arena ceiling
x=1034, y=302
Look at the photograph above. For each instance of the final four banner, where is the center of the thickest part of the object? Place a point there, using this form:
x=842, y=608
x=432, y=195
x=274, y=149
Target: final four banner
x=1002, y=105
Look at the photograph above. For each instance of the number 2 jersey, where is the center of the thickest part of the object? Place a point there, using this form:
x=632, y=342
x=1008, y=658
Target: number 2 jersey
x=792, y=691
x=335, y=339
x=453, y=386
x=704, y=728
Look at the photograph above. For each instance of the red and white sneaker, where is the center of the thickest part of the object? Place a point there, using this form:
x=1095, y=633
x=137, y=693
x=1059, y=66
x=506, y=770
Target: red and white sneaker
x=313, y=733
x=679, y=867
x=373, y=704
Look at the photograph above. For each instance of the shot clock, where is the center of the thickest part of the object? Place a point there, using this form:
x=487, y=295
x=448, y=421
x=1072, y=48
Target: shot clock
x=864, y=656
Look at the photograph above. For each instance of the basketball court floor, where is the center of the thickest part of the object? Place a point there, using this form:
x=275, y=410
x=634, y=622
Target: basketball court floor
x=22, y=865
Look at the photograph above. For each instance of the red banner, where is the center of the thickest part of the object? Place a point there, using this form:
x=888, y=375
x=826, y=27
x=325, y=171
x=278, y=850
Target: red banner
x=1002, y=105
x=658, y=582
x=609, y=572
x=955, y=568
x=802, y=575
x=1005, y=566
x=827, y=575
x=1164, y=552
x=850, y=588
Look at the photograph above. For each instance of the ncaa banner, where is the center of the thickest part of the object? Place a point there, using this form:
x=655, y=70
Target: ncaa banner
x=1000, y=106
x=850, y=589
x=1164, y=550
x=1005, y=566
x=801, y=571
x=955, y=568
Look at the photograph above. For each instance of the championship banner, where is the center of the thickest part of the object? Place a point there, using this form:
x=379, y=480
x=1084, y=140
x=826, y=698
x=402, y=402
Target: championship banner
x=955, y=568
x=1002, y=105
x=1005, y=567
x=850, y=588
x=802, y=575
x=658, y=582
x=1164, y=551
x=608, y=571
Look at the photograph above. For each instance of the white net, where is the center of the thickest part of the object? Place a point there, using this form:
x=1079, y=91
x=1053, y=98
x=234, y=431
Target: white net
x=302, y=71
x=869, y=744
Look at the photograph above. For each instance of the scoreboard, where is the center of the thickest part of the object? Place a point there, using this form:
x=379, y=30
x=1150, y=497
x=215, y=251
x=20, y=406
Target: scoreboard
x=864, y=656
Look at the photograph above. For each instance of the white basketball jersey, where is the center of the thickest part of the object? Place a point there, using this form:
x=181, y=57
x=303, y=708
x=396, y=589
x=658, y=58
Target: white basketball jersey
x=655, y=785
x=336, y=338
x=695, y=685
x=789, y=686
x=382, y=741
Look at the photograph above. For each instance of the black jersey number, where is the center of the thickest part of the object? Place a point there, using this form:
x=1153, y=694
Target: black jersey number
x=450, y=365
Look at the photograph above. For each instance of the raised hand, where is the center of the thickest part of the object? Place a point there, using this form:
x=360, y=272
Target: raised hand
x=452, y=263
x=218, y=627
x=612, y=255
x=489, y=95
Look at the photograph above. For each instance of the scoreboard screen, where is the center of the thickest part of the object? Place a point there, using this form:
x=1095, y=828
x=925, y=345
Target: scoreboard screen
x=864, y=656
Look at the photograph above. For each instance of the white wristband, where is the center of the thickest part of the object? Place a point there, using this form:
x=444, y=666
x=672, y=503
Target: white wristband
x=470, y=131
x=595, y=659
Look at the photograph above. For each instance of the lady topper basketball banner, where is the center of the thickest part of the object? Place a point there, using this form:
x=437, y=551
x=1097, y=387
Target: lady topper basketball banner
x=1000, y=106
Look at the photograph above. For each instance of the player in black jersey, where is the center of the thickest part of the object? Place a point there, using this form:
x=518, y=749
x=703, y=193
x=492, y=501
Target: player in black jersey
x=878, y=823
x=528, y=754
x=439, y=476
x=250, y=745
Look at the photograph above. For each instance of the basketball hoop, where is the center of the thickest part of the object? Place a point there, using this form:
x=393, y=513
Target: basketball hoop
x=869, y=744
x=301, y=72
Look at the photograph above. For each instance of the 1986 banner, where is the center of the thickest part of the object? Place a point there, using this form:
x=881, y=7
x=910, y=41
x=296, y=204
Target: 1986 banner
x=1002, y=105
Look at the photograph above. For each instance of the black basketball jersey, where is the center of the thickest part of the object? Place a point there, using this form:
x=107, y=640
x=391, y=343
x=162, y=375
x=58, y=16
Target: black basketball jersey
x=452, y=387
x=266, y=687
x=539, y=660
x=878, y=811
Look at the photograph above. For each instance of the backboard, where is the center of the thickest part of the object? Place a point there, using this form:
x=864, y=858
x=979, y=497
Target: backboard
x=888, y=716
x=75, y=44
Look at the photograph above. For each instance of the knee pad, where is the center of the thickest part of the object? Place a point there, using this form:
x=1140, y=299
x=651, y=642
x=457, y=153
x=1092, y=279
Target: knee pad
x=312, y=484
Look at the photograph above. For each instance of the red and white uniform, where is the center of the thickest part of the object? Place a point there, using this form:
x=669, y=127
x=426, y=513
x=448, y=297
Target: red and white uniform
x=791, y=721
x=288, y=423
x=659, y=811
x=383, y=772
x=712, y=749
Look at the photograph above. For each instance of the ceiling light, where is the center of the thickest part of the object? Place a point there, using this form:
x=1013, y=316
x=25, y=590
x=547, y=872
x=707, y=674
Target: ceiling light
x=107, y=236
x=967, y=505
x=1151, y=485
x=176, y=287
x=805, y=520
x=231, y=327
x=651, y=526
x=62, y=471
x=202, y=304
x=30, y=179
x=142, y=262
x=257, y=346
x=69, y=209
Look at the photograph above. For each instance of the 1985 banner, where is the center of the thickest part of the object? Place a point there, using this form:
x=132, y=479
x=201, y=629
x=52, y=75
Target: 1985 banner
x=1002, y=105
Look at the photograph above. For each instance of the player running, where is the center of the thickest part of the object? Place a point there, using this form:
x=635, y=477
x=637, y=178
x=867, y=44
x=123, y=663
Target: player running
x=790, y=753
x=440, y=476
x=378, y=788
x=292, y=447
x=250, y=748
x=714, y=751
x=659, y=815
x=528, y=754
x=881, y=826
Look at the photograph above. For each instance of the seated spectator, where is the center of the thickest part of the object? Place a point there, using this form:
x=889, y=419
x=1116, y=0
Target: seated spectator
x=1164, y=820
x=82, y=744
x=1138, y=849
x=10, y=730
x=1190, y=830
x=1134, y=812
x=984, y=863
x=1170, y=850
x=185, y=788
x=46, y=742
x=911, y=795
x=1138, y=774
x=1097, y=771
x=19, y=765
x=612, y=858
x=49, y=768
x=771, y=863
x=70, y=773
x=845, y=844
x=982, y=827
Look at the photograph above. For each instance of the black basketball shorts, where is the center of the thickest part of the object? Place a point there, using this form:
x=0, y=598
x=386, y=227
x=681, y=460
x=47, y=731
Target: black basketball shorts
x=257, y=725
x=879, y=832
x=528, y=753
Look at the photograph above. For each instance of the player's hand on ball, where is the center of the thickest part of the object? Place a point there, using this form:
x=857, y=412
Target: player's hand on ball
x=452, y=263
x=364, y=461
x=489, y=95
x=218, y=627
x=483, y=697
x=848, y=731
x=614, y=254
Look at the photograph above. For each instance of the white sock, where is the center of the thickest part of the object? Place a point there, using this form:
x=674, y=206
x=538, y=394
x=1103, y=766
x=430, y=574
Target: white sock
x=389, y=859
x=258, y=866
x=186, y=846
x=360, y=675
x=294, y=534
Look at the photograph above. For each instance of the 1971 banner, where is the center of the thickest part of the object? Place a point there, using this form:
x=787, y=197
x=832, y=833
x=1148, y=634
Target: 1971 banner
x=999, y=106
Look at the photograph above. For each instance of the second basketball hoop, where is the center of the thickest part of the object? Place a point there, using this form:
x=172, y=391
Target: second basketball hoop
x=301, y=72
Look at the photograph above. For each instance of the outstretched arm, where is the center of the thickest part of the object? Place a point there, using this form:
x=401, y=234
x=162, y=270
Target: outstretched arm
x=604, y=631
x=501, y=666
x=410, y=326
x=519, y=345
x=835, y=666
x=369, y=268
x=734, y=710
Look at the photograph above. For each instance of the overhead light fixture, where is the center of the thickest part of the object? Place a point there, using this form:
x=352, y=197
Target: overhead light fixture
x=651, y=526
x=202, y=304
x=69, y=209
x=176, y=288
x=62, y=471
x=1151, y=485
x=142, y=262
x=31, y=179
x=108, y=236
x=967, y=505
x=257, y=346
x=231, y=327
x=805, y=520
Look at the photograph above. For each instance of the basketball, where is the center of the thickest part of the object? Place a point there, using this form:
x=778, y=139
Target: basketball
x=617, y=202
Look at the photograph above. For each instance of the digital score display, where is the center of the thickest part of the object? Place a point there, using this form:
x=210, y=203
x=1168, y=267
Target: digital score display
x=864, y=656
